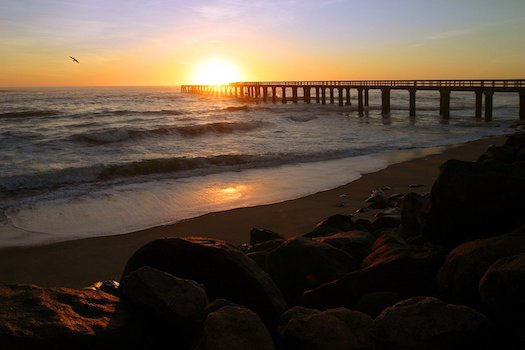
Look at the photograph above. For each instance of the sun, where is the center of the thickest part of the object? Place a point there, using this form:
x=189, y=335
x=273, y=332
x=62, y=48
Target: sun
x=216, y=72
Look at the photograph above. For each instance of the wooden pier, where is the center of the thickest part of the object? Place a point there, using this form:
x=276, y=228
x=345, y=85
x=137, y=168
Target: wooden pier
x=326, y=91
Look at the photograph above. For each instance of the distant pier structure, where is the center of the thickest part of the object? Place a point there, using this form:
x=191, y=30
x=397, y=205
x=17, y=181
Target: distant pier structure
x=328, y=91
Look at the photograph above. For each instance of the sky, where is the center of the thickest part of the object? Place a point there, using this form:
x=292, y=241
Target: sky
x=168, y=42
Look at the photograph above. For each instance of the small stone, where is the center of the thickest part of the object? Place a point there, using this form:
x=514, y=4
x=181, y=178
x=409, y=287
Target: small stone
x=415, y=185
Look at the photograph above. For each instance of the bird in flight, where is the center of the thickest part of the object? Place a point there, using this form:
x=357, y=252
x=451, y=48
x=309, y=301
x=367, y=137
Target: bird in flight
x=74, y=59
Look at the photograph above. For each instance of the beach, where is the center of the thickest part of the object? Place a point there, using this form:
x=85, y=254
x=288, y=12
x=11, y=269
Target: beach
x=79, y=263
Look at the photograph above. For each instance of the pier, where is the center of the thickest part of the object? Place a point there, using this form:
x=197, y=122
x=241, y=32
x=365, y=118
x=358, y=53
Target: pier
x=329, y=91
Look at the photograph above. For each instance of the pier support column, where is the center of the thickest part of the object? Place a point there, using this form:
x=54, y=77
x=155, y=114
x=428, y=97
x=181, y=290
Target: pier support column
x=444, y=109
x=348, y=102
x=479, y=103
x=332, y=95
x=412, y=93
x=323, y=95
x=340, y=96
x=306, y=94
x=360, y=101
x=265, y=93
x=366, y=98
x=317, y=97
x=274, y=94
x=488, y=105
x=294, y=94
x=284, y=95
x=522, y=105
x=385, y=101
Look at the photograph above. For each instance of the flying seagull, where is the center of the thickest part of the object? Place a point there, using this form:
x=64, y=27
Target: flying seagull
x=74, y=59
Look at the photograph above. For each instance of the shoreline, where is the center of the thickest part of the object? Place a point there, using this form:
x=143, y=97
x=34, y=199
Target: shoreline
x=78, y=263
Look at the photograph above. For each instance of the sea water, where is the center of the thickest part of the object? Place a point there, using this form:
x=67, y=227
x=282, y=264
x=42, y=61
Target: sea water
x=84, y=162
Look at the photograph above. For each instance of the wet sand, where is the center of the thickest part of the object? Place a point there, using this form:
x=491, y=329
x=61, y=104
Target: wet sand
x=82, y=262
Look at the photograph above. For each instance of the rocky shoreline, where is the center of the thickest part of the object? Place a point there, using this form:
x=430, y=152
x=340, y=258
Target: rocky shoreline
x=438, y=270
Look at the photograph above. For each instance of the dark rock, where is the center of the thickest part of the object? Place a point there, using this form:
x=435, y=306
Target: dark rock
x=415, y=185
x=331, y=225
x=388, y=248
x=387, y=221
x=355, y=243
x=428, y=323
x=413, y=213
x=362, y=210
x=301, y=264
x=474, y=200
x=266, y=246
x=223, y=270
x=166, y=297
x=465, y=265
x=405, y=271
x=373, y=303
x=508, y=153
x=261, y=258
x=363, y=225
x=378, y=200
x=235, y=328
x=33, y=317
x=308, y=329
x=259, y=235
x=502, y=290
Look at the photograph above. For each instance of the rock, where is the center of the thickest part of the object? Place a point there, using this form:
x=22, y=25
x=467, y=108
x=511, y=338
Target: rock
x=373, y=303
x=223, y=270
x=308, y=329
x=331, y=225
x=363, y=225
x=387, y=221
x=474, y=200
x=428, y=323
x=388, y=248
x=164, y=296
x=33, y=317
x=413, y=213
x=508, y=153
x=402, y=270
x=260, y=258
x=355, y=243
x=378, y=200
x=415, y=185
x=266, y=246
x=301, y=264
x=502, y=290
x=235, y=328
x=109, y=286
x=260, y=235
x=465, y=265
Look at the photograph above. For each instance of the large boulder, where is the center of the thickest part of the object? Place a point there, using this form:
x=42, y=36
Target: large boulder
x=465, y=265
x=399, y=270
x=475, y=200
x=223, y=270
x=234, y=328
x=355, y=243
x=260, y=235
x=332, y=224
x=309, y=329
x=510, y=152
x=413, y=215
x=502, y=290
x=430, y=324
x=33, y=317
x=301, y=264
x=166, y=297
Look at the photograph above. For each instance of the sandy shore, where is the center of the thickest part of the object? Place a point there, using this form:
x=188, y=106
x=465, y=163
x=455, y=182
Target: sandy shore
x=81, y=262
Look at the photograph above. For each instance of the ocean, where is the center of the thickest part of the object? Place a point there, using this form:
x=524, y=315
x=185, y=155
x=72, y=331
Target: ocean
x=85, y=162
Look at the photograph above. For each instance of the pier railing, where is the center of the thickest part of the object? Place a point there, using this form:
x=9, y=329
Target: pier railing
x=513, y=83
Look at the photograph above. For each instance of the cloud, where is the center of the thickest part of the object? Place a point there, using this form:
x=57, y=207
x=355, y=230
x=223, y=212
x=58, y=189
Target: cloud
x=451, y=34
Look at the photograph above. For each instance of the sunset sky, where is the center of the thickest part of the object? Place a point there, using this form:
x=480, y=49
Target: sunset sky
x=170, y=42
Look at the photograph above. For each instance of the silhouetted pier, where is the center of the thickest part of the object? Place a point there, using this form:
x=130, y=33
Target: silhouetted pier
x=328, y=91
